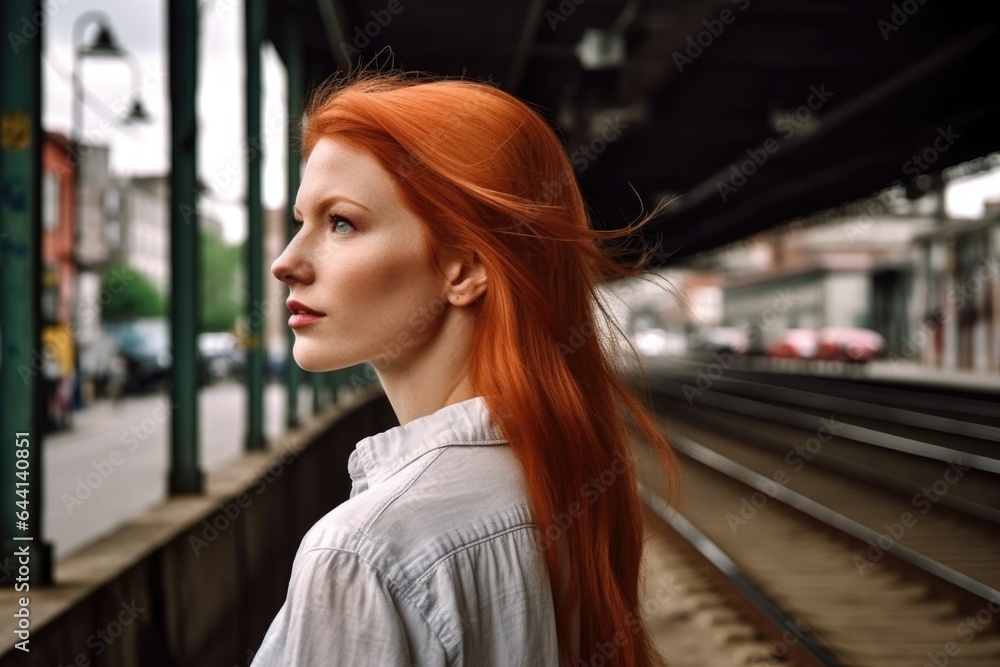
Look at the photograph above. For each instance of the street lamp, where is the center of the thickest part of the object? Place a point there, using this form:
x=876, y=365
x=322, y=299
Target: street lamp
x=104, y=45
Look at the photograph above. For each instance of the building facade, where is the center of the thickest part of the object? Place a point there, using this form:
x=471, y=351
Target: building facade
x=957, y=296
x=137, y=209
x=928, y=283
x=58, y=278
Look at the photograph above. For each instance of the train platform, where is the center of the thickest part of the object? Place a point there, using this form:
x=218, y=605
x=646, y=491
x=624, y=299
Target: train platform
x=885, y=371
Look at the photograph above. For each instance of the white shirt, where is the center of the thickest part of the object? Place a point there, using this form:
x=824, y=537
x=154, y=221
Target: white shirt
x=432, y=561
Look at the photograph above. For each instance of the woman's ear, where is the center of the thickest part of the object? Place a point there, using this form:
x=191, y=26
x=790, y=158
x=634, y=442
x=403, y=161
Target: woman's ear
x=466, y=279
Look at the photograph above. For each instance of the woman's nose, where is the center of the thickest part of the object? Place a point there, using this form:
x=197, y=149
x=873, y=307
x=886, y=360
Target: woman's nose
x=291, y=266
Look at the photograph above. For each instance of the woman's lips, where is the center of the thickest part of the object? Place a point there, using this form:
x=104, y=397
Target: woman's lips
x=303, y=319
x=302, y=315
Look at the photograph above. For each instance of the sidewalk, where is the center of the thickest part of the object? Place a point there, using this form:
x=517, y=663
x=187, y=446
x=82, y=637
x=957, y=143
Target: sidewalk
x=112, y=465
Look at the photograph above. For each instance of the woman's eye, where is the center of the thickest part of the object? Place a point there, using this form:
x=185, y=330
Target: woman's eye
x=296, y=224
x=341, y=224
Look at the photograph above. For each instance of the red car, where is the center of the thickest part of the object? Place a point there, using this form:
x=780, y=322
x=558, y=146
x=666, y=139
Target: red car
x=795, y=344
x=850, y=344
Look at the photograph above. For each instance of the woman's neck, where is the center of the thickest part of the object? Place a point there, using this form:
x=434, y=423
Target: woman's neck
x=434, y=376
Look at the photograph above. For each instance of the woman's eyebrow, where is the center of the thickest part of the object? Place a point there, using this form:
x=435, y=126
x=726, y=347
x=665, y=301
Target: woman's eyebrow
x=326, y=201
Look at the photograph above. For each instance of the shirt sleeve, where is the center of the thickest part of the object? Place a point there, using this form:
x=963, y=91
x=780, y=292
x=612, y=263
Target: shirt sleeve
x=339, y=611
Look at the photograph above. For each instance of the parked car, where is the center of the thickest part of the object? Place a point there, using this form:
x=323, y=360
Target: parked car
x=795, y=344
x=144, y=344
x=222, y=355
x=657, y=342
x=721, y=340
x=850, y=344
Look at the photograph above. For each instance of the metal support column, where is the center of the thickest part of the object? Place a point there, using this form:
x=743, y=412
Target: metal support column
x=341, y=381
x=185, y=261
x=318, y=393
x=330, y=380
x=295, y=75
x=25, y=556
x=253, y=36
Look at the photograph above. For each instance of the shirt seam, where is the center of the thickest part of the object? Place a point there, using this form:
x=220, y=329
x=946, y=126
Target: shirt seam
x=374, y=515
x=457, y=550
x=404, y=462
x=433, y=567
x=383, y=505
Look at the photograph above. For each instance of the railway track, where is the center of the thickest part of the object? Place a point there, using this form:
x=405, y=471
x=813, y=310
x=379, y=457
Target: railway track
x=857, y=540
x=691, y=613
x=885, y=437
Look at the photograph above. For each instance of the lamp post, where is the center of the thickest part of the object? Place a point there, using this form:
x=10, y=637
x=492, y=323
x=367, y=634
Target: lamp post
x=104, y=45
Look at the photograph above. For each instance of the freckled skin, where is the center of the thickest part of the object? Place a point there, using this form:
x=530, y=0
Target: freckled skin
x=374, y=281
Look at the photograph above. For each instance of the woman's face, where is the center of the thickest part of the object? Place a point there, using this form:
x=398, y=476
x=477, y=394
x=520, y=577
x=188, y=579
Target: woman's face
x=357, y=268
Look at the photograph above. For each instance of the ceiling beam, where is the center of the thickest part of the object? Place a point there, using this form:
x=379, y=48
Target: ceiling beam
x=335, y=23
x=850, y=110
x=525, y=42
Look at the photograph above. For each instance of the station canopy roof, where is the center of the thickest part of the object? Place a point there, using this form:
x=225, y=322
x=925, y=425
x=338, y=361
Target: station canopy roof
x=753, y=112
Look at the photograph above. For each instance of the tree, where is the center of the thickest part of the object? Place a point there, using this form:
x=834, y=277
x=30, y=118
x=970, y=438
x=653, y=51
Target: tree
x=221, y=275
x=127, y=294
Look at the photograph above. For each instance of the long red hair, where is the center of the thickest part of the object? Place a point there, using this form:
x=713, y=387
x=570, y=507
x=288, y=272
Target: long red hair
x=488, y=175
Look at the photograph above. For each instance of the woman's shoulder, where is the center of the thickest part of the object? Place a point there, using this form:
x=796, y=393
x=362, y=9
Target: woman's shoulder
x=446, y=502
x=449, y=533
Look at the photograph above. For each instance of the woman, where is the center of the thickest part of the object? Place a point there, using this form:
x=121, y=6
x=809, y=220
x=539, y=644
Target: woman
x=443, y=238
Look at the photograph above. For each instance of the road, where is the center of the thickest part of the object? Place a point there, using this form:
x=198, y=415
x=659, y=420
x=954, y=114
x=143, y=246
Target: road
x=112, y=464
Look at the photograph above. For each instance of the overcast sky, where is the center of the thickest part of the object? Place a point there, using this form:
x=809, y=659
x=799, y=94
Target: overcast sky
x=139, y=26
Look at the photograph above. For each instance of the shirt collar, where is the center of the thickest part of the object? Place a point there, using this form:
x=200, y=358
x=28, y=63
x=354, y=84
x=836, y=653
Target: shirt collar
x=379, y=456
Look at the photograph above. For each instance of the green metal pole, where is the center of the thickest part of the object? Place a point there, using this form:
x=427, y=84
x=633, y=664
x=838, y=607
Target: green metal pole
x=295, y=75
x=254, y=31
x=317, y=387
x=185, y=473
x=330, y=380
x=342, y=380
x=26, y=558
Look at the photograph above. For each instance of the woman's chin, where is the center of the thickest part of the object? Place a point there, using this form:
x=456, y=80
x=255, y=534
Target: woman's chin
x=316, y=363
